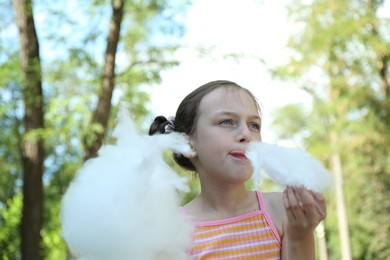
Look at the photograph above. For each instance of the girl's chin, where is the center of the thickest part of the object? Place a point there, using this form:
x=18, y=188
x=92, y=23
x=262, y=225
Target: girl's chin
x=244, y=176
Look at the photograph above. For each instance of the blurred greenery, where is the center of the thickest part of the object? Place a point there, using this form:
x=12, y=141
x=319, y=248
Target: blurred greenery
x=340, y=56
x=72, y=36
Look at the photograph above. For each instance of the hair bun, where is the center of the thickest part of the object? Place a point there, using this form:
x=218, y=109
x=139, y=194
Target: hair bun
x=159, y=125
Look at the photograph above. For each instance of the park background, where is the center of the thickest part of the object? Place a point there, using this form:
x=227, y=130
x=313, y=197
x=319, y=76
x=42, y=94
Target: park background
x=320, y=68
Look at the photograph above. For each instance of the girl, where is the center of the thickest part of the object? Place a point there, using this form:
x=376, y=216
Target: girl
x=220, y=118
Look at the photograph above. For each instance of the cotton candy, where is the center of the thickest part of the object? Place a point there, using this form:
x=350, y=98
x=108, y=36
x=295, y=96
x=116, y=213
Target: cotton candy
x=288, y=166
x=124, y=203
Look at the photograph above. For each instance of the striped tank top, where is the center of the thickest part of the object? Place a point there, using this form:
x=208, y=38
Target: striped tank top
x=249, y=236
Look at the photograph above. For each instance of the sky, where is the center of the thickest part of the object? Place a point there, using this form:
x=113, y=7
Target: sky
x=258, y=30
x=255, y=29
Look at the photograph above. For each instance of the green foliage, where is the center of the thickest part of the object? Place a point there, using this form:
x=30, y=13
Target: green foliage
x=54, y=247
x=72, y=36
x=10, y=124
x=340, y=57
x=10, y=215
x=289, y=120
x=10, y=157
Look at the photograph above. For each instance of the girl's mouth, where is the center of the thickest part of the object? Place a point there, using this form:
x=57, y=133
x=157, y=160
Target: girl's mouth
x=239, y=154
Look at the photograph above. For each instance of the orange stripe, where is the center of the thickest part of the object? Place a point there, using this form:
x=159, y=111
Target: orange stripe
x=240, y=240
x=214, y=246
x=261, y=223
x=260, y=255
x=242, y=226
x=230, y=228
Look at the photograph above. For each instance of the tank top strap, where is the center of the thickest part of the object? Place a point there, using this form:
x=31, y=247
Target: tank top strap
x=184, y=212
x=260, y=200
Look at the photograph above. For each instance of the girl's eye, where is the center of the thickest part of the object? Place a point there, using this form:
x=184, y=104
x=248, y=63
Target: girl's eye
x=226, y=122
x=254, y=126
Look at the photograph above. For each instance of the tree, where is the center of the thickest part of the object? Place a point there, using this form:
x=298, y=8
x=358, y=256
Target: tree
x=102, y=112
x=72, y=79
x=32, y=142
x=341, y=58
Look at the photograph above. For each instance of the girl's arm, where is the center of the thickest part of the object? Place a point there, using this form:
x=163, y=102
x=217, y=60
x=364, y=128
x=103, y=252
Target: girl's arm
x=304, y=211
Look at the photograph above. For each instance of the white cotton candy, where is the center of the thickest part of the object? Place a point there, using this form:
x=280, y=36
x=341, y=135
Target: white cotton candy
x=124, y=203
x=288, y=166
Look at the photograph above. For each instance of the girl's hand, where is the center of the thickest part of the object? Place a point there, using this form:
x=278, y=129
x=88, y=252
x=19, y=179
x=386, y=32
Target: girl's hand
x=305, y=210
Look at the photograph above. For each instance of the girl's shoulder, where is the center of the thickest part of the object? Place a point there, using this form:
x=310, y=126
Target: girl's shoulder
x=273, y=198
x=273, y=203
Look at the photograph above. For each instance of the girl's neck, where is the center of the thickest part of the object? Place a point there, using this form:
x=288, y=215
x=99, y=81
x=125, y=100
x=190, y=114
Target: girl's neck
x=225, y=203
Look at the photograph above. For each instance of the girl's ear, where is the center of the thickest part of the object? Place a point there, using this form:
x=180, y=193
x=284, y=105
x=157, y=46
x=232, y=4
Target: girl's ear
x=191, y=154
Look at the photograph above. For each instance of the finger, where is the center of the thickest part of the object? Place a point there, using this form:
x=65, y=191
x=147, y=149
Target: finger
x=312, y=206
x=306, y=201
x=287, y=205
x=294, y=203
x=300, y=198
x=320, y=203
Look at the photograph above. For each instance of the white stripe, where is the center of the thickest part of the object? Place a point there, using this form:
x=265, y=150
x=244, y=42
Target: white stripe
x=231, y=234
x=235, y=247
x=249, y=253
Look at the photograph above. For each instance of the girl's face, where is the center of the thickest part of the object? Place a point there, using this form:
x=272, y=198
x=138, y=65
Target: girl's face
x=228, y=120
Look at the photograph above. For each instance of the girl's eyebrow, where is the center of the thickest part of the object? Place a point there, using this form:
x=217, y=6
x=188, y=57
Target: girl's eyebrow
x=229, y=113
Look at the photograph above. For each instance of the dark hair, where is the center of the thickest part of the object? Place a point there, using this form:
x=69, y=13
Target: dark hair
x=159, y=125
x=187, y=115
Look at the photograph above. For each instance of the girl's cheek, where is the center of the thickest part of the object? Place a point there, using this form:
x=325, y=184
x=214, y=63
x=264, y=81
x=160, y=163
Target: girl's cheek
x=257, y=137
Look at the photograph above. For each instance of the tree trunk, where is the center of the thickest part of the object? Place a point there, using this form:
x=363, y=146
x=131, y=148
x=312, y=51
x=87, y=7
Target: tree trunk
x=383, y=72
x=102, y=112
x=321, y=242
x=32, y=145
x=340, y=201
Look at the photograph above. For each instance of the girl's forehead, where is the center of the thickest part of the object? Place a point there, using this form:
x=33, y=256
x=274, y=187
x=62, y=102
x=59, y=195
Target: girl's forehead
x=228, y=98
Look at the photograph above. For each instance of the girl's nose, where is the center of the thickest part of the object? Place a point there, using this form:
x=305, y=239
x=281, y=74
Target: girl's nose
x=244, y=134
